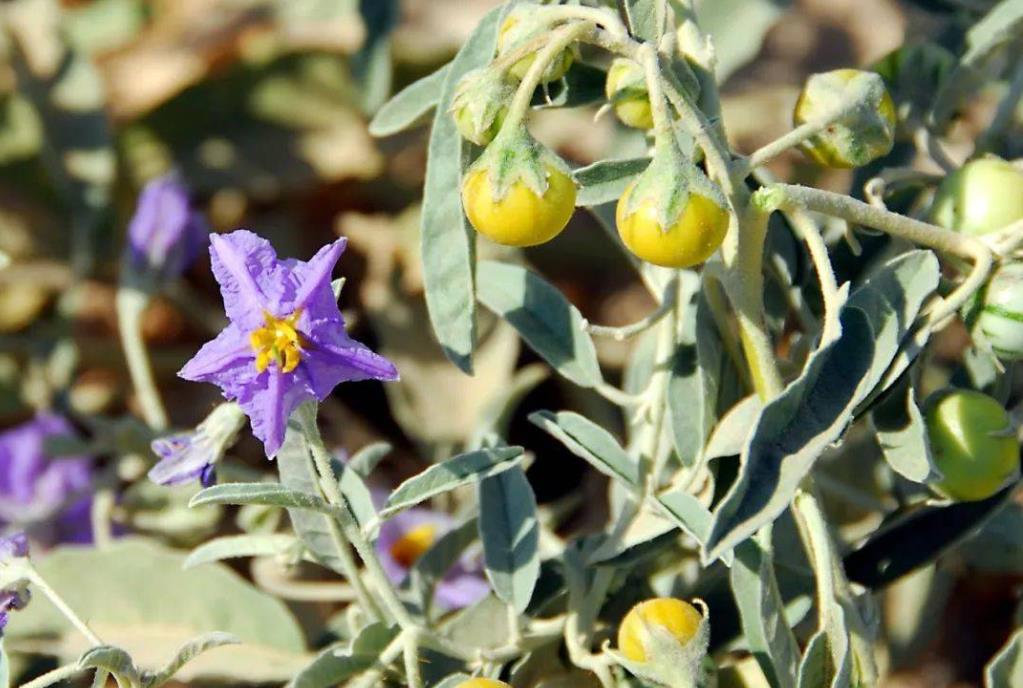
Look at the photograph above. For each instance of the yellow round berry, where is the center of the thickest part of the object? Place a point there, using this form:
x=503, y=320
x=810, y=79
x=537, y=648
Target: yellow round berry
x=521, y=217
x=679, y=618
x=508, y=38
x=695, y=236
x=483, y=683
x=982, y=196
x=626, y=91
x=972, y=443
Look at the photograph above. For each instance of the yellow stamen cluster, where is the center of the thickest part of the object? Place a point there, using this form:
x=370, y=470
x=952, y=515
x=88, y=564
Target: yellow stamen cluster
x=413, y=544
x=278, y=342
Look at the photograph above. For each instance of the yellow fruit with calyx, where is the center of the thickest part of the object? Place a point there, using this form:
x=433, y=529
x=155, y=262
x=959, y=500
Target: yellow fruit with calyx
x=664, y=640
x=518, y=193
x=679, y=618
x=864, y=133
x=626, y=90
x=483, y=683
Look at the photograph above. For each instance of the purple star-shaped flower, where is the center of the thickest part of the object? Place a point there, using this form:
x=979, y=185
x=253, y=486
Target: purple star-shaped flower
x=165, y=235
x=17, y=596
x=407, y=536
x=286, y=342
x=53, y=496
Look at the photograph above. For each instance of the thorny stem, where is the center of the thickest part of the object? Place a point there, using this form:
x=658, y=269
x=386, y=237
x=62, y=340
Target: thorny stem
x=131, y=302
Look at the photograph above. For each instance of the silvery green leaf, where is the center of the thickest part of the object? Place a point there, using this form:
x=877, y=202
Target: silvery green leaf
x=690, y=515
x=762, y=610
x=818, y=668
x=731, y=432
x=511, y=536
x=1002, y=24
x=544, y=318
x=366, y=459
x=919, y=537
x=337, y=663
x=272, y=494
x=590, y=442
x=235, y=546
x=692, y=392
x=114, y=660
x=447, y=475
x=814, y=410
x=189, y=651
x=448, y=243
x=435, y=562
x=409, y=105
x=605, y=181
x=734, y=47
x=1006, y=668
x=902, y=434
x=297, y=472
x=371, y=65
x=484, y=624
x=642, y=18
x=142, y=600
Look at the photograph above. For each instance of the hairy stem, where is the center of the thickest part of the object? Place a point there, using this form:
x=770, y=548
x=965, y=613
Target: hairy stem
x=131, y=303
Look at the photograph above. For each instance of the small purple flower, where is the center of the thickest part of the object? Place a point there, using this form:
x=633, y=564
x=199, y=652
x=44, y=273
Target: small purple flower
x=13, y=546
x=286, y=342
x=53, y=496
x=406, y=537
x=165, y=235
x=189, y=456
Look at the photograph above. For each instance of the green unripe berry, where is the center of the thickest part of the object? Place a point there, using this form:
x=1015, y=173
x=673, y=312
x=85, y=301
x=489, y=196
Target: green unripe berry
x=982, y=196
x=626, y=90
x=524, y=23
x=1000, y=317
x=480, y=105
x=864, y=134
x=972, y=442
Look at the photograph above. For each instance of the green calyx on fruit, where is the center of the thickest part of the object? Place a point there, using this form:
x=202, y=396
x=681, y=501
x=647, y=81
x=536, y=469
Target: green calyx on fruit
x=973, y=444
x=626, y=90
x=982, y=196
x=524, y=23
x=480, y=105
x=867, y=130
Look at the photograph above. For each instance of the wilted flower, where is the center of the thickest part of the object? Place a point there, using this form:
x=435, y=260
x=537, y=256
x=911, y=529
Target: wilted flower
x=165, y=235
x=191, y=455
x=52, y=496
x=15, y=596
x=286, y=342
x=408, y=535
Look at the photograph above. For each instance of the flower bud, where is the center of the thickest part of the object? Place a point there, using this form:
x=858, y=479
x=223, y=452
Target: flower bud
x=189, y=456
x=672, y=215
x=982, y=196
x=973, y=443
x=525, y=22
x=999, y=319
x=481, y=104
x=865, y=133
x=165, y=235
x=664, y=640
x=626, y=90
x=518, y=193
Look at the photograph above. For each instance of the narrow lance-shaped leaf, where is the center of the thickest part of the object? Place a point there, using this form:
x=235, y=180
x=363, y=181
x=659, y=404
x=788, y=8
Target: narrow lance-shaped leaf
x=409, y=105
x=902, y=434
x=692, y=392
x=590, y=442
x=189, y=651
x=295, y=466
x=1006, y=668
x=448, y=243
x=552, y=326
x=605, y=181
x=447, y=475
x=266, y=494
x=812, y=413
x=511, y=536
x=337, y=663
x=235, y=546
x=762, y=611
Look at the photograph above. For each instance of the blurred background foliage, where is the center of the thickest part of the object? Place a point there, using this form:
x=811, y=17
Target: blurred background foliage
x=262, y=105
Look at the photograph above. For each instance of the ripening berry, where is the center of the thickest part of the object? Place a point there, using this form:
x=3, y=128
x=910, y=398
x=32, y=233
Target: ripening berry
x=626, y=90
x=680, y=619
x=483, y=683
x=521, y=217
x=695, y=235
x=519, y=28
x=982, y=196
x=973, y=444
x=1000, y=319
x=864, y=134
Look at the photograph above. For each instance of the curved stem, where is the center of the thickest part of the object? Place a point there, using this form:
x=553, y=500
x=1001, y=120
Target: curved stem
x=658, y=106
x=54, y=676
x=63, y=607
x=620, y=334
x=131, y=303
x=810, y=234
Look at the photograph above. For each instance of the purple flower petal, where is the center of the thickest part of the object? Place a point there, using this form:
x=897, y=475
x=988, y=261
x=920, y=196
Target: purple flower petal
x=13, y=545
x=183, y=459
x=238, y=258
x=227, y=352
x=164, y=234
x=314, y=294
